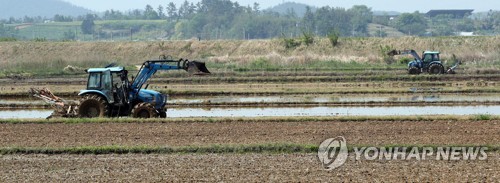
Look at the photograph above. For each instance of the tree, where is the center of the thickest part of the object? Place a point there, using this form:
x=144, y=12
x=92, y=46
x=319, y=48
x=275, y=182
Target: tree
x=441, y=25
x=135, y=14
x=256, y=7
x=171, y=11
x=113, y=15
x=411, y=23
x=308, y=20
x=492, y=22
x=161, y=14
x=290, y=13
x=150, y=13
x=361, y=16
x=380, y=33
x=88, y=24
x=62, y=18
x=69, y=35
x=328, y=18
x=186, y=10
x=27, y=19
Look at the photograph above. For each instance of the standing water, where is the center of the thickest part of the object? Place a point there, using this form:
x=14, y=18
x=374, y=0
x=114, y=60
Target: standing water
x=298, y=111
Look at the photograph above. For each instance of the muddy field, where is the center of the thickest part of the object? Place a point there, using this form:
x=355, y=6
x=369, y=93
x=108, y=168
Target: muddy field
x=439, y=132
x=236, y=168
x=371, y=89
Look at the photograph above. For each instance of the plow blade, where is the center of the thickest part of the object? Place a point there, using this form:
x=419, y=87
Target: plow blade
x=62, y=108
x=393, y=52
x=197, y=68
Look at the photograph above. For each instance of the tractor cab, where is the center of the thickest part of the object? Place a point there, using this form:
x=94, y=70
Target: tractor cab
x=430, y=56
x=109, y=83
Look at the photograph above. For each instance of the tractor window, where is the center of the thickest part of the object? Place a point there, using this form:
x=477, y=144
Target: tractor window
x=116, y=79
x=94, y=81
x=427, y=58
x=435, y=57
x=107, y=80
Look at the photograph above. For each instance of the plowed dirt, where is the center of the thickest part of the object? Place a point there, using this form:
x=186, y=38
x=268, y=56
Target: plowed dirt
x=198, y=133
x=237, y=168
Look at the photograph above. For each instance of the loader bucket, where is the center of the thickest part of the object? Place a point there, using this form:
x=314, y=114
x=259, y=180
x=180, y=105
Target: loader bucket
x=197, y=68
x=393, y=52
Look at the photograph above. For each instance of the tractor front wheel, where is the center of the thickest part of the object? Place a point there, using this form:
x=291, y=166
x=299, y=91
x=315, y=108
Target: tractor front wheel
x=93, y=106
x=436, y=69
x=163, y=114
x=414, y=70
x=144, y=110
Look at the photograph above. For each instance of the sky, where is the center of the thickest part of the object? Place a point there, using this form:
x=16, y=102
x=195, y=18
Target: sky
x=376, y=5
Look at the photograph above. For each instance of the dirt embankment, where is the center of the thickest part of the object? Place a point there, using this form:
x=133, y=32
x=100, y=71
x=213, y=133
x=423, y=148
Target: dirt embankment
x=237, y=51
x=203, y=134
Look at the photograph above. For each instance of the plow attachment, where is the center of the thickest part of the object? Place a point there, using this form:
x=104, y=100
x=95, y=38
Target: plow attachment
x=451, y=70
x=62, y=108
x=197, y=68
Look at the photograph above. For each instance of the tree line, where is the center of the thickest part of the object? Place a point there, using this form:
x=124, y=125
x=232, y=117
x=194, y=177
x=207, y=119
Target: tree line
x=224, y=19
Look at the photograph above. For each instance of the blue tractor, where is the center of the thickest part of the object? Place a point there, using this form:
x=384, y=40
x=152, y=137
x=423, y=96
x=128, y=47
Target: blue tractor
x=429, y=62
x=109, y=92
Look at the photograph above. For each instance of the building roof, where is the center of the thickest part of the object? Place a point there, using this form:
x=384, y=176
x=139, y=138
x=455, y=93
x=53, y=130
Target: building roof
x=456, y=13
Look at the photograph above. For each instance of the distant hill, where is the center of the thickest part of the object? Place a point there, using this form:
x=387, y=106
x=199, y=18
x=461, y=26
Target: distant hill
x=43, y=8
x=299, y=8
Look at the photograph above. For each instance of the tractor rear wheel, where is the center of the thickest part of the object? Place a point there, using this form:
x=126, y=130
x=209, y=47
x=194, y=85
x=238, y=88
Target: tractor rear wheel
x=436, y=69
x=144, y=110
x=93, y=106
x=414, y=70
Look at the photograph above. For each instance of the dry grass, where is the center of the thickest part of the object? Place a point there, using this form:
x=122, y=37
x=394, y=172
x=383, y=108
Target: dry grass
x=18, y=55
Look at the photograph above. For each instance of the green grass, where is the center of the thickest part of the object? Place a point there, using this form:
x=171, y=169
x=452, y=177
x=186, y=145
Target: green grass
x=258, y=148
x=483, y=117
x=56, y=30
x=219, y=149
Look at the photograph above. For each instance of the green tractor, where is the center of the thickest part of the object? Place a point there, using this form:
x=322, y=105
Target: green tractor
x=429, y=62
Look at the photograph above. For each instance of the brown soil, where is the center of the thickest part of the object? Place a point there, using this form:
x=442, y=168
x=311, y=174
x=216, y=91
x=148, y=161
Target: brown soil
x=237, y=168
x=196, y=133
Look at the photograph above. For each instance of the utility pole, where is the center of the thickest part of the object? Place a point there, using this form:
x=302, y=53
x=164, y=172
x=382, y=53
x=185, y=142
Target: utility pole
x=244, y=33
x=380, y=32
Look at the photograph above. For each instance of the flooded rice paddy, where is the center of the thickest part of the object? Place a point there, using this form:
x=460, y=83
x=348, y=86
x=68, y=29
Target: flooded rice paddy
x=297, y=111
x=263, y=111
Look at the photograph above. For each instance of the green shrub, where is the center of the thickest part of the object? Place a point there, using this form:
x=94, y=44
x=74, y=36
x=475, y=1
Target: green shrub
x=483, y=117
x=291, y=43
x=7, y=39
x=383, y=50
x=333, y=36
x=40, y=39
x=307, y=38
x=404, y=60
